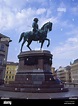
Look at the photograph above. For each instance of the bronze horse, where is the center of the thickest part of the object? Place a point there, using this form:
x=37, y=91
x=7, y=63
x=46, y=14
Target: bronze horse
x=29, y=36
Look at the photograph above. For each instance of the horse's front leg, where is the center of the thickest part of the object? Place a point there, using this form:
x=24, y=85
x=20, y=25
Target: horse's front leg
x=48, y=42
x=29, y=42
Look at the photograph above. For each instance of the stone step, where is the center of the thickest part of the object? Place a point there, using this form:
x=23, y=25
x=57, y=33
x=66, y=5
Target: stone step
x=21, y=82
x=35, y=90
x=35, y=86
x=45, y=90
x=32, y=82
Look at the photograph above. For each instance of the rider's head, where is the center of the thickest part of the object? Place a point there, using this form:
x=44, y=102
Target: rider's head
x=35, y=19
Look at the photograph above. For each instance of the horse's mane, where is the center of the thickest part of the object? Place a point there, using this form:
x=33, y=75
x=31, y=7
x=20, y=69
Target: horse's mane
x=44, y=25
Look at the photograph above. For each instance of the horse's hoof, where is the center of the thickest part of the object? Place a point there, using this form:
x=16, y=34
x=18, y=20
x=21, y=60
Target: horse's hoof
x=41, y=49
x=30, y=49
x=21, y=51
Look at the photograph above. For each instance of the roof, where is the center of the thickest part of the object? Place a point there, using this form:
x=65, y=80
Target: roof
x=68, y=68
x=1, y=35
x=76, y=61
x=12, y=63
x=7, y=38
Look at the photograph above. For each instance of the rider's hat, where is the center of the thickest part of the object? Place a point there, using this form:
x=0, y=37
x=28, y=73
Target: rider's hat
x=35, y=19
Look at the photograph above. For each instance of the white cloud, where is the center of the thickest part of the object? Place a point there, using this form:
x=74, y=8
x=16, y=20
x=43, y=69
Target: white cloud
x=66, y=51
x=39, y=1
x=69, y=48
x=61, y=9
x=74, y=10
x=73, y=32
x=6, y=18
x=40, y=11
x=14, y=16
x=67, y=24
x=20, y=19
x=14, y=3
x=63, y=54
x=73, y=40
x=17, y=20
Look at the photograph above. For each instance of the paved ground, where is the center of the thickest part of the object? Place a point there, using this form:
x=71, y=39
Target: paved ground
x=73, y=92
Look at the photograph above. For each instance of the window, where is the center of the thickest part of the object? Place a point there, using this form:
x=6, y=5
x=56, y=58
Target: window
x=6, y=77
x=9, y=77
x=7, y=72
x=0, y=61
x=12, y=72
x=7, y=68
x=2, y=47
x=12, y=77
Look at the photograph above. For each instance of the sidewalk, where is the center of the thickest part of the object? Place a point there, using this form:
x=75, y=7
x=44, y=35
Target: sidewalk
x=73, y=92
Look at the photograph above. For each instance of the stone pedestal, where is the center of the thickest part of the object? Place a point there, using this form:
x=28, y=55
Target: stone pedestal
x=34, y=68
x=34, y=74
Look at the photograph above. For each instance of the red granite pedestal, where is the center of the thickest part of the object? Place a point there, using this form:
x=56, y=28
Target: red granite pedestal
x=34, y=74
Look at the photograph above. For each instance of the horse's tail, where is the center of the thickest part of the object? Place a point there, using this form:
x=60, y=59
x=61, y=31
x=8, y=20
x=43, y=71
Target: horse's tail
x=22, y=35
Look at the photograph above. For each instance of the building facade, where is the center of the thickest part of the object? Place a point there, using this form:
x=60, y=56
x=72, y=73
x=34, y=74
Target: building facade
x=54, y=72
x=74, y=71
x=11, y=70
x=64, y=74
x=4, y=44
x=53, y=69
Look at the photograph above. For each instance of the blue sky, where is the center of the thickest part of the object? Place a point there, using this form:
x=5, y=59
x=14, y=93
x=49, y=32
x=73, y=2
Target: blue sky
x=16, y=16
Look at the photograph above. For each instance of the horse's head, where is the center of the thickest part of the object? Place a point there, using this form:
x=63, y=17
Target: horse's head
x=47, y=25
x=50, y=26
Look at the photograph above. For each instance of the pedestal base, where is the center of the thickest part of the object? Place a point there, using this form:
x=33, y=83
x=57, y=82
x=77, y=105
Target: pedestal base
x=34, y=74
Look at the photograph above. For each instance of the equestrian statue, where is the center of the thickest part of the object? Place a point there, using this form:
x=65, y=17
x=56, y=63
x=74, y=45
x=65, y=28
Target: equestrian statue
x=36, y=34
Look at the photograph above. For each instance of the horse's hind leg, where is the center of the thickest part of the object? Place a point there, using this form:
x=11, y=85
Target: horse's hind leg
x=29, y=44
x=22, y=45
